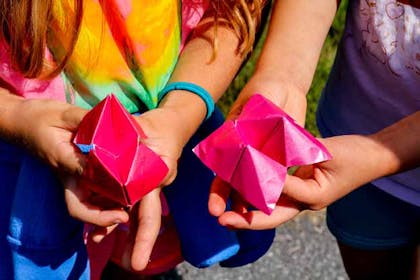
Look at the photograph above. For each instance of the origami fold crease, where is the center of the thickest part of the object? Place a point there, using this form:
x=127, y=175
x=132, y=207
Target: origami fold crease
x=119, y=166
x=253, y=151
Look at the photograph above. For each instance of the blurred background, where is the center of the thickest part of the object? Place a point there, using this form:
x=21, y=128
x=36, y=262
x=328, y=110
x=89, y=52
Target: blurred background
x=303, y=248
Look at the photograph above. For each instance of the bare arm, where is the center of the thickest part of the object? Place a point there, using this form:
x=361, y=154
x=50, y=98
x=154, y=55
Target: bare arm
x=8, y=103
x=357, y=160
x=285, y=68
x=401, y=144
x=288, y=60
x=296, y=34
x=171, y=125
x=195, y=65
x=45, y=128
x=180, y=113
x=391, y=150
x=285, y=72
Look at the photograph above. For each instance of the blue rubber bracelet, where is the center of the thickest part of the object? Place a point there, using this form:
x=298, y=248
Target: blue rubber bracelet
x=85, y=148
x=193, y=88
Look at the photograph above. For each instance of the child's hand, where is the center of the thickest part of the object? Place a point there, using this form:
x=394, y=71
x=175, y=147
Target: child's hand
x=285, y=96
x=311, y=187
x=165, y=137
x=88, y=207
x=145, y=221
x=45, y=127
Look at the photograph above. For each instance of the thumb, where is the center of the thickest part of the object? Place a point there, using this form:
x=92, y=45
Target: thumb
x=304, y=191
x=76, y=198
x=149, y=222
x=219, y=194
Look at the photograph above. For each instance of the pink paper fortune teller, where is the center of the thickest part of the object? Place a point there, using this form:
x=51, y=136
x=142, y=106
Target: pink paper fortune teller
x=253, y=151
x=121, y=168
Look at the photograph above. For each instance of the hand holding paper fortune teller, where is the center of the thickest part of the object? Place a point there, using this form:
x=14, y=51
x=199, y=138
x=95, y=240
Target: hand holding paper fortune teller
x=318, y=180
x=128, y=159
x=46, y=127
x=137, y=51
x=369, y=112
x=311, y=187
x=251, y=153
x=162, y=127
x=379, y=140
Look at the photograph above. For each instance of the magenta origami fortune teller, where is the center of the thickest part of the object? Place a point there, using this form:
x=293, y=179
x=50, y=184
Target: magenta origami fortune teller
x=119, y=166
x=253, y=151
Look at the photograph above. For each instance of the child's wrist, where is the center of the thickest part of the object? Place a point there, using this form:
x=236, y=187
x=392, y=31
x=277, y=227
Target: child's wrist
x=282, y=80
x=397, y=145
x=386, y=160
x=191, y=88
x=187, y=109
x=9, y=113
x=282, y=93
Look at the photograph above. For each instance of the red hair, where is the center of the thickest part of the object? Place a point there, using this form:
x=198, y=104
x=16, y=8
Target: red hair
x=25, y=25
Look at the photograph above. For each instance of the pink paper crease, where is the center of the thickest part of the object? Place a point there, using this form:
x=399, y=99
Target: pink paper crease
x=253, y=151
x=119, y=166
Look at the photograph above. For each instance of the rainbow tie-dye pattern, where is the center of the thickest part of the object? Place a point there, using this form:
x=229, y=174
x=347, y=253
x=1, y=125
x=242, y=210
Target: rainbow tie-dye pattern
x=125, y=47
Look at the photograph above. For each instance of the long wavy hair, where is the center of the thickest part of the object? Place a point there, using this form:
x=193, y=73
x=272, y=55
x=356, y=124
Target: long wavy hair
x=25, y=24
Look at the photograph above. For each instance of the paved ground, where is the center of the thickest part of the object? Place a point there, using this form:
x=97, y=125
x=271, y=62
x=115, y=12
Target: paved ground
x=303, y=249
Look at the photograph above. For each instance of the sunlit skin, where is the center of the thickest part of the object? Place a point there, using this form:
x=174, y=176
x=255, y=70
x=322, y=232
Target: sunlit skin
x=46, y=127
x=284, y=72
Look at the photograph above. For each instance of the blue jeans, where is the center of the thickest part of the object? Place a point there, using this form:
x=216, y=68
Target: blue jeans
x=38, y=238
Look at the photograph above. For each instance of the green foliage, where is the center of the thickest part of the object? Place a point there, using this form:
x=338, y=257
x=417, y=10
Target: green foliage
x=325, y=62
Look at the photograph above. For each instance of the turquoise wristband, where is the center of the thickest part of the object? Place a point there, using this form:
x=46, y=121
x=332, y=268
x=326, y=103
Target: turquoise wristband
x=193, y=88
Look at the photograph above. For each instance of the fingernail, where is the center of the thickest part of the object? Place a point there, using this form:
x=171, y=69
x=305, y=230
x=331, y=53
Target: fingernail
x=98, y=238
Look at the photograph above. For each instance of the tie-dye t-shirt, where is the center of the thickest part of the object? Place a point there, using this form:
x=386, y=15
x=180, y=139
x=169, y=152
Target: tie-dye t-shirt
x=125, y=47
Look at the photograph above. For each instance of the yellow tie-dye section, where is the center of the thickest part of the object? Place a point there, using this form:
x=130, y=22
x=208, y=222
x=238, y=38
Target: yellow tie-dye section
x=128, y=48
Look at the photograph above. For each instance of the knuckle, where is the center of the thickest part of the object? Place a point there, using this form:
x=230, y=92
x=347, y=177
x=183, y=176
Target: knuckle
x=319, y=204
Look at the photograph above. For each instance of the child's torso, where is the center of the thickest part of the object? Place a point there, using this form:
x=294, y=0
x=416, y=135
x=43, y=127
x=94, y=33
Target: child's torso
x=125, y=47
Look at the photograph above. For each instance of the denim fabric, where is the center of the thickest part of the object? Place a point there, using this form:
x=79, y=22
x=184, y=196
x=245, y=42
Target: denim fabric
x=371, y=219
x=38, y=238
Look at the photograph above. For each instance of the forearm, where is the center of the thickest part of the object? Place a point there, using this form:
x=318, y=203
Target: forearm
x=399, y=145
x=297, y=32
x=393, y=149
x=291, y=51
x=196, y=66
x=360, y=159
x=8, y=105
